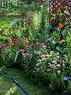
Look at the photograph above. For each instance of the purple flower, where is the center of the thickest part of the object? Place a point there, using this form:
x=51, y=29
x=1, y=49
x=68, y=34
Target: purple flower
x=33, y=46
x=42, y=44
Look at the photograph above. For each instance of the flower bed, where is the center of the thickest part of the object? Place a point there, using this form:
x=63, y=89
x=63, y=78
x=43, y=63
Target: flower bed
x=41, y=50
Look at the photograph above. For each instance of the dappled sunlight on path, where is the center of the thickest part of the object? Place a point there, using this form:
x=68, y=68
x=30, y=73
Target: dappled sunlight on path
x=11, y=90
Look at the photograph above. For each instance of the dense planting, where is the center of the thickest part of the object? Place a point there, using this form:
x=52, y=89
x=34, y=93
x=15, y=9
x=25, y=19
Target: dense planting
x=42, y=48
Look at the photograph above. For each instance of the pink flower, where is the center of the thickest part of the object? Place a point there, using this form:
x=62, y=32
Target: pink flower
x=2, y=45
x=42, y=44
x=24, y=53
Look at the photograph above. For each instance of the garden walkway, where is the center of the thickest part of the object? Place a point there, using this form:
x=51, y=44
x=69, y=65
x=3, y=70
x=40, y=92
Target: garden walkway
x=8, y=87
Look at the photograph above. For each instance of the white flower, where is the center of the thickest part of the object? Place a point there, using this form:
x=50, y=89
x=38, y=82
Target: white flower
x=55, y=67
x=58, y=66
x=49, y=63
x=44, y=59
x=37, y=52
x=37, y=65
x=54, y=61
x=58, y=71
x=39, y=60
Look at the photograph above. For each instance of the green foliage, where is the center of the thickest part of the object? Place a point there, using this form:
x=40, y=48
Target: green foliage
x=31, y=45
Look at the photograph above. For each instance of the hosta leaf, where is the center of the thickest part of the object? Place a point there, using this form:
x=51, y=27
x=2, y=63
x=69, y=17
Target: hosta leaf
x=60, y=48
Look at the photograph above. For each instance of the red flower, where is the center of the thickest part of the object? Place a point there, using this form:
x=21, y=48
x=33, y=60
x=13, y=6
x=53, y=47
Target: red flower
x=9, y=35
x=7, y=40
x=33, y=46
x=15, y=41
x=61, y=25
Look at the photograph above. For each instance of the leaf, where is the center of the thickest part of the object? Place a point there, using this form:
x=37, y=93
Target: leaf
x=59, y=48
x=66, y=12
x=16, y=56
x=30, y=33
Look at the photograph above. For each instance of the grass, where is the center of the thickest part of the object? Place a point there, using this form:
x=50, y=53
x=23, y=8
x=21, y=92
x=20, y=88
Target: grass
x=8, y=87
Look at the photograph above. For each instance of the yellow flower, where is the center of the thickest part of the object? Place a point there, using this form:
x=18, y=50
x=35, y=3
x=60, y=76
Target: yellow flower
x=26, y=41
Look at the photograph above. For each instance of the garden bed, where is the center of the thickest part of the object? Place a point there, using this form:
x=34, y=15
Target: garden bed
x=39, y=44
